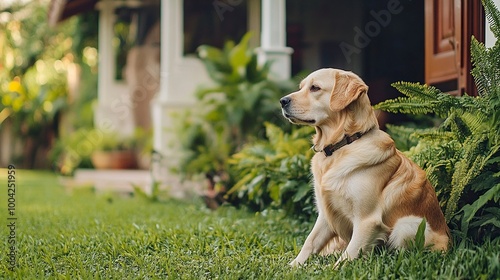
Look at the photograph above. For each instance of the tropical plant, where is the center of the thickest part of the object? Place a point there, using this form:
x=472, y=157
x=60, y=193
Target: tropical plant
x=231, y=111
x=33, y=77
x=32, y=107
x=462, y=156
x=275, y=172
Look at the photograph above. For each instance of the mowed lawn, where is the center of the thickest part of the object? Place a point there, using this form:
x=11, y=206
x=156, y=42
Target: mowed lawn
x=77, y=234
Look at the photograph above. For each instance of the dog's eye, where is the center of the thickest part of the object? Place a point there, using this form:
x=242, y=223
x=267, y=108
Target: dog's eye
x=314, y=88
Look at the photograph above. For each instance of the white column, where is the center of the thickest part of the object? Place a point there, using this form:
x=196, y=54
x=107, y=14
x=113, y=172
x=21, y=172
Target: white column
x=106, y=59
x=113, y=111
x=170, y=21
x=273, y=38
x=171, y=44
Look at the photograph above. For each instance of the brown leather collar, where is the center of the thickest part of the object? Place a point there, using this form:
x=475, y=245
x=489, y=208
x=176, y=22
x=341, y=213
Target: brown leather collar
x=348, y=139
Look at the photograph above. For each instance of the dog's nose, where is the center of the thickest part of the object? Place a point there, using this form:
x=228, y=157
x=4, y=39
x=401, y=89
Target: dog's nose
x=285, y=101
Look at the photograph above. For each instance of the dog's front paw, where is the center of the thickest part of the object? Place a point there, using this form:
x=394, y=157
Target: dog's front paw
x=338, y=264
x=295, y=263
x=343, y=258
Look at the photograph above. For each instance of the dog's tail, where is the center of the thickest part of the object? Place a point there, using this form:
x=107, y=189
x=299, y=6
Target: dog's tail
x=405, y=230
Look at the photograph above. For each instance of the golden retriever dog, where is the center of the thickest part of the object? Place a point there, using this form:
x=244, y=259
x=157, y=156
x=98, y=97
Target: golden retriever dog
x=367, y=192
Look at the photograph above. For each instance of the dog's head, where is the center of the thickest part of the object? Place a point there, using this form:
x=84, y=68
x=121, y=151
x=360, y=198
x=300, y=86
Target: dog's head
x=321, y=95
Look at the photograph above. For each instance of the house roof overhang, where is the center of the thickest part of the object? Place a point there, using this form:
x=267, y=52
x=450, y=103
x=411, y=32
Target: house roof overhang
x=60, y=10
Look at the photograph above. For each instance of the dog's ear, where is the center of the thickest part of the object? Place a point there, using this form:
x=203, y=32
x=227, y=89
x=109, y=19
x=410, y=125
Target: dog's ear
x=348, y=87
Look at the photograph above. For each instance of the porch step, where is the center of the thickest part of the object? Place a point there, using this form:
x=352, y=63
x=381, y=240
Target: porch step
x=121, y=181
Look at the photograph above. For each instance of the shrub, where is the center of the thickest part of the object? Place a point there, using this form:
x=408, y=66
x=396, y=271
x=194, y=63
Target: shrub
x=275, y=172
x=462, y=156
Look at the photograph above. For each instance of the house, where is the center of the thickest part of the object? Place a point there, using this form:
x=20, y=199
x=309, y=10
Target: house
x=383, y=41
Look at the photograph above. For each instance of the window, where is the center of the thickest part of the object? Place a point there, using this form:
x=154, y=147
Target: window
x=131, y=28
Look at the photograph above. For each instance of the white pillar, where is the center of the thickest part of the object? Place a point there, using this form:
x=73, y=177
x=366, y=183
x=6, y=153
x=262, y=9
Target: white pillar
x=179, y=77
x=106, y=58
x=113, y=111
x=171, y=51
x=166, y=100
x=273, y=38
x=171, y=44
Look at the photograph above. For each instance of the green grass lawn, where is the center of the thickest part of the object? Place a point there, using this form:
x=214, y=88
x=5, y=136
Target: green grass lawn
x=77, y=234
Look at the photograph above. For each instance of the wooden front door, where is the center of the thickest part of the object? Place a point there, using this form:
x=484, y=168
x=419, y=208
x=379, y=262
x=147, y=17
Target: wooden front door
x=449, y=25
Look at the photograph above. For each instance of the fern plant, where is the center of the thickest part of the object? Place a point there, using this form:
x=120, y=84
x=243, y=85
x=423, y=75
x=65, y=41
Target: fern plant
x=275, y=172
x=462, y=156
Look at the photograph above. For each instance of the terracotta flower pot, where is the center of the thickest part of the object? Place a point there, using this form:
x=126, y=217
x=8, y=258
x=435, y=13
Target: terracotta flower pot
x=114, y=159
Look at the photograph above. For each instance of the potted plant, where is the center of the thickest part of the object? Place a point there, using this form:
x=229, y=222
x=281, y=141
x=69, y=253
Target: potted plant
x=111, y=152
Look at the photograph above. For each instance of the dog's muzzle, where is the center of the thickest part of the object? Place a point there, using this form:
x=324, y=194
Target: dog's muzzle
x=285, y=104
x=285, y=101
x=285, y=107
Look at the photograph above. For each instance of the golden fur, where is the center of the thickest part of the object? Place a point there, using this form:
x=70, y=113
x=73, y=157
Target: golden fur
x=368, y=191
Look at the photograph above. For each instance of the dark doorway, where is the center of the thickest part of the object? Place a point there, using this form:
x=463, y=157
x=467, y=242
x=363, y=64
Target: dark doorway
x=382, y=41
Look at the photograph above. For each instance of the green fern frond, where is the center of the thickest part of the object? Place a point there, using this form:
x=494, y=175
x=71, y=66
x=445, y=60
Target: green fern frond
x=474, y=121
x=405, y=131
x=467, y=168
x=478, y=54
x=486, y=72
x=437, y=171
x=417, y=90
x=438, y=159
x=420, y=99
x=431, y=149
x=473, y=104
x=404, y=105
x=403, y=136
x=493, y=17
x=456, y=126
x=436, y=136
